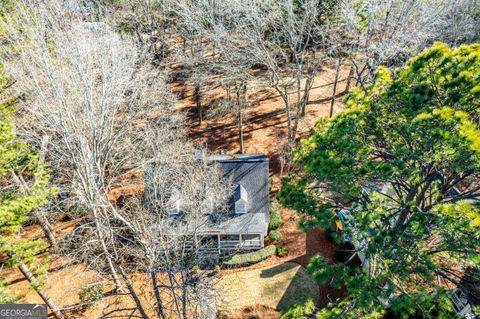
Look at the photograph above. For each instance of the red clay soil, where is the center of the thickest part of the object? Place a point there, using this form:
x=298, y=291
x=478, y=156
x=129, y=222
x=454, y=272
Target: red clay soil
x=253, y=312
x=116, y=194
x=65, y=282
x=60, y=228
x=265, y=127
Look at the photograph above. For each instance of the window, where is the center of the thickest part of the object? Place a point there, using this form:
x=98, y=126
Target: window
x=251, y=240
x=250, y=237
x=230, y=237
x=241, y=199
x=173, y=204
x=240, y=207
x=209, y=241
x=174, y=208
x=207, y=206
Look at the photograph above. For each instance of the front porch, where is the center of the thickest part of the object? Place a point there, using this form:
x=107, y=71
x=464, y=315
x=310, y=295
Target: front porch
x=216, y=242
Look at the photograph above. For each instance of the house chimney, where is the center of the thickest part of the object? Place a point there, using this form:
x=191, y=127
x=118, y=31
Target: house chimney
x=199, y=155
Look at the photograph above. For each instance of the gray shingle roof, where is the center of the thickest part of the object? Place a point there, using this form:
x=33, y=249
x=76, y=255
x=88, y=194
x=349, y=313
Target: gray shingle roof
x=251, y=172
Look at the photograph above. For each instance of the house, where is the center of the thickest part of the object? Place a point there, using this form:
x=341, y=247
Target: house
x=245, y=224
x=248, y=217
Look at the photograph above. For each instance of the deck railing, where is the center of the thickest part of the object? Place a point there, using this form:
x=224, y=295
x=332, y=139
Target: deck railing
x=229, y=245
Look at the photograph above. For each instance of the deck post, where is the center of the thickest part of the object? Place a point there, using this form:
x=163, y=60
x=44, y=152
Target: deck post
x=218, y=244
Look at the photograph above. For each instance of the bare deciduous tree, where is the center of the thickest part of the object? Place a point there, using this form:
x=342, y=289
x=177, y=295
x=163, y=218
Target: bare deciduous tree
x=85, y=88
x=459, y=22
x=184, y=197
x=148, y=21
x=279, y=38
x=213, y=25
x=284, y=38
x=379, y=32
x=108, y=113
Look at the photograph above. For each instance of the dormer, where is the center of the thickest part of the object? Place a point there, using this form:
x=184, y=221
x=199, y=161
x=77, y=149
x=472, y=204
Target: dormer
x=173, y=204
x=241, y=200
x=207, y=206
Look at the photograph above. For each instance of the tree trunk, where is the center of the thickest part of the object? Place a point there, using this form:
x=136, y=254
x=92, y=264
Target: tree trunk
x=244, y=92
x=349, y=79
x=359, y=75
x=402, y=218
x=283, y=92
x=47, y=229
x=40, y=214
x=31, y=279
x=162, y=38
x=299, y=106
x=229, y=93
x=294, y=128
x=337, y=74
x=171, y=278
x=289, y=118
x=240, y=129
x=157, y=295
x=115, y=278
x=133, y=294
x=184, y=294
x=299, y=92
x=198, y=102
x=238, y=92
x=306, y=93
x=241, y=98
x=37, y=214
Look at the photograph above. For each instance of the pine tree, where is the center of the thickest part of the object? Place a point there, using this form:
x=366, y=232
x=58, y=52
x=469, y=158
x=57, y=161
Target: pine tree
x=416, y=131
x=18, y=161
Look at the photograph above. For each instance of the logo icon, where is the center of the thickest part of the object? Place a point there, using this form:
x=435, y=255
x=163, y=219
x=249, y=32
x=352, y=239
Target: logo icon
x=23, y=311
